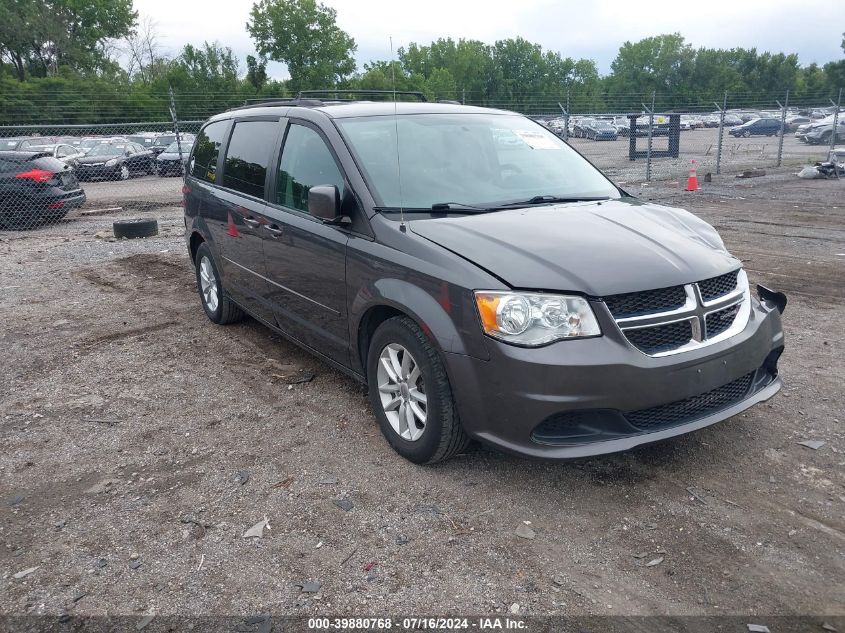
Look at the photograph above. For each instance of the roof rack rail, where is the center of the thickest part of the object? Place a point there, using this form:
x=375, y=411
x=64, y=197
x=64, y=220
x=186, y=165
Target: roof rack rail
x=265, y=103
x=315, y=93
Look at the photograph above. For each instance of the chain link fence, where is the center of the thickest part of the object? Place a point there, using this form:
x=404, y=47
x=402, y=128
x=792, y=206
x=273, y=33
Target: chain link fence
x=49, y=170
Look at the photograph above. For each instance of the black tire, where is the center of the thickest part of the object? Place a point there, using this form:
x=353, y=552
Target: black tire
x=132, y=229
x=227, y=311
x=123, y=172
x=444, y=435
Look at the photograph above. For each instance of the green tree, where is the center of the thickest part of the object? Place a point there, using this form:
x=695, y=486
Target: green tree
x=468, y=61
x=835, y=71
x=304, y=36
x=209, y=64
x=440, y=84
x=661, y=64
x=37, y=37
x=256, y=71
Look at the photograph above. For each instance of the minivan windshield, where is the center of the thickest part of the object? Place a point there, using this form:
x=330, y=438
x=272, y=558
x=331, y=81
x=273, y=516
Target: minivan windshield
x=482, y=160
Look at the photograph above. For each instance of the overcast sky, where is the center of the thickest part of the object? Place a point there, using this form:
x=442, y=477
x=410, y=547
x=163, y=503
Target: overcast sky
x=586, y=28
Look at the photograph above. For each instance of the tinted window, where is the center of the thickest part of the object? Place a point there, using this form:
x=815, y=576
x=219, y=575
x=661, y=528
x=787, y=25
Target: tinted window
x=206, y=150
x=306, y=162
x=248, y=155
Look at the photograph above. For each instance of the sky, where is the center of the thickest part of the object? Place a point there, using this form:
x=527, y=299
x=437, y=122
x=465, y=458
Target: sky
x=591, y=29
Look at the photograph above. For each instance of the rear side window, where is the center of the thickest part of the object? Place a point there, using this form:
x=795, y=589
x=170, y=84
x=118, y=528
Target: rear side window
x=306, y=162
x=248, y=156
x=50, y=164
x=206, y=150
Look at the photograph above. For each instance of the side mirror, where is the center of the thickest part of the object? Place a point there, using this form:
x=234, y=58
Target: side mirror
x=324, y=202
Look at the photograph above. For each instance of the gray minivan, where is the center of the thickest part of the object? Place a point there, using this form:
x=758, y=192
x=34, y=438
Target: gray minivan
x=478, y=274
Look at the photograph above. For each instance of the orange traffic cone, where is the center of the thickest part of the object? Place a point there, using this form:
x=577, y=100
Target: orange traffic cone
x=692, y=181
x=232, y=229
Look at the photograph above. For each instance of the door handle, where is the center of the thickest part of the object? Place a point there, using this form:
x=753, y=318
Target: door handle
x=274, y=229
x=251, y=222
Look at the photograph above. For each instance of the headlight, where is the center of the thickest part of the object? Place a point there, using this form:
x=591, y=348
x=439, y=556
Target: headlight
x=111, y=163
x=533, y=319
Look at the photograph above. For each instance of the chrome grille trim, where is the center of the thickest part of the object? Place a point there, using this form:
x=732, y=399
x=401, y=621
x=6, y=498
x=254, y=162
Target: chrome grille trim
x=696, y=310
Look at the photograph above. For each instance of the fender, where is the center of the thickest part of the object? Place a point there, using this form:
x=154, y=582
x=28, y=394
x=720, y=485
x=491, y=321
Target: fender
x=422, y=306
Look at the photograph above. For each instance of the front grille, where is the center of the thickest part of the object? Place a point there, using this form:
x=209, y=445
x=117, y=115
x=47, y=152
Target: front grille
x=692, y=408
x=716, y=287
x=660, y=338
x=639, y=303
x=718, y=322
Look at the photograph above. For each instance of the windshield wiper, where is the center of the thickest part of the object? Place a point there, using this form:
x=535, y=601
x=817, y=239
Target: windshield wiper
x=552, y=200
x=459, y=207
x=440, y=207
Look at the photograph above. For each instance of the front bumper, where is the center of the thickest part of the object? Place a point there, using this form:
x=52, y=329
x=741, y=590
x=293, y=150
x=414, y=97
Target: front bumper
x=594, y=387
x=87, y=172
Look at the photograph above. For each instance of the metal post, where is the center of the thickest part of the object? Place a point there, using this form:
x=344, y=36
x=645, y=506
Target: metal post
x=721, y=133
x=650, y=129
x=782, y=126
x=565, y=117
x=568, y=110
x=176, y=125
x=833, y=133
x=463, y=96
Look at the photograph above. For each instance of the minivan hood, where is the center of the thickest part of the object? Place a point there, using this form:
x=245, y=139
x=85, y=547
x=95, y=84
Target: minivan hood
x=595, y=248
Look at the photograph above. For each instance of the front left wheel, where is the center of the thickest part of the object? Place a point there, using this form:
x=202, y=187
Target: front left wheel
x=411, y=395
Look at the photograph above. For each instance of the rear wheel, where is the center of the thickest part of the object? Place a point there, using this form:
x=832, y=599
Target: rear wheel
x=218, y=307
x=411, y=395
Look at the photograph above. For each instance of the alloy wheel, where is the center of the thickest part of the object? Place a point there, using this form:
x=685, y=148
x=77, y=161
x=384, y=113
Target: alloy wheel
x=124, y=172
x=208, y=284
x=402, y=392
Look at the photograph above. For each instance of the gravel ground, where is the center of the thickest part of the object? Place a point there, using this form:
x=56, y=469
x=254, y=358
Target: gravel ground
x=141, y=442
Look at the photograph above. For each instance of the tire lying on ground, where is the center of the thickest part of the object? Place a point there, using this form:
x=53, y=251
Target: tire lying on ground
x=138, y=227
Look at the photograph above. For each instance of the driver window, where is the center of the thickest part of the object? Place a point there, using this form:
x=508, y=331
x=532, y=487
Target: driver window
x=306, y=162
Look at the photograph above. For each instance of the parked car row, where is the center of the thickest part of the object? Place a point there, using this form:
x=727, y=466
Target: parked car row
x=117, y=157
x=739, y=123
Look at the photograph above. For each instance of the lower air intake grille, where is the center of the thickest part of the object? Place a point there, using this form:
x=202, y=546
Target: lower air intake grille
x=691, y=408
x=661, y=338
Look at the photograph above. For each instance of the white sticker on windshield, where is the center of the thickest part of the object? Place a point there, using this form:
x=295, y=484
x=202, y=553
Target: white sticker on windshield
x=536, y=140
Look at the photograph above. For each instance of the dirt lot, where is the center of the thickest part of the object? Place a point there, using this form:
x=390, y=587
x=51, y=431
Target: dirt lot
x=126, y=417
